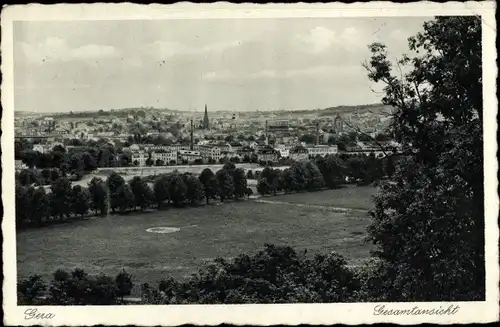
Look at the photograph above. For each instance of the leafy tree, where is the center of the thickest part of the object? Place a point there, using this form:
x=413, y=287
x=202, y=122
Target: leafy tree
x=428, y=221
x=29, y=176
x=105, y=157
x=98, y=195
x=60, y=198
x=77, y=163
x=263, y=186
x=115, y=184
x=80, y=200
x=39, y=205
x=30, y=158
x=124, y=284
x=240, y=183
x=143, y=194
x=21, y=205
x=250, y=175
x=332, y=170
x=59, y=148
x=314, y=178
x=161, y=190
x=195, y=192
x=276, y=274
x=125, y=198
x=289, y=181
x=30, y=289
x=207, y=179
x=125, y=160
x=229, y=166
x=390, y=167
x=45, y=160
x=248, y=192
x=177, y=189
x=225, y=184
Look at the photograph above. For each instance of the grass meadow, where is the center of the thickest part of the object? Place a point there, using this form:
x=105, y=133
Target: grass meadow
x=115, y=242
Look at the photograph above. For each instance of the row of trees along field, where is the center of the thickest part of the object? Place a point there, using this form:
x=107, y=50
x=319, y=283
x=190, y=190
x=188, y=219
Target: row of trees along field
x=428, y=220
x=329, y=171
x=35, y=205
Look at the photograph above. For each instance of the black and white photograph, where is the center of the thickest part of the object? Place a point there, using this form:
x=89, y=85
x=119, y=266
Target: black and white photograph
x=209, y=160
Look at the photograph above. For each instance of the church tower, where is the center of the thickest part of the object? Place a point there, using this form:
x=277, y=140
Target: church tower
x=205, y=119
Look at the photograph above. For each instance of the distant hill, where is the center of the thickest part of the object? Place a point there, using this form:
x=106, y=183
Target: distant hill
x=124, y=112
x=120, y=113
x=342, y=110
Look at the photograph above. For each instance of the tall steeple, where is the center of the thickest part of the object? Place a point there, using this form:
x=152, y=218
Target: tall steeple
x=205, y=119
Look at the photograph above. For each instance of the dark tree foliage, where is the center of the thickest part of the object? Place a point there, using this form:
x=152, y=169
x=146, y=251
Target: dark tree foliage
x=115, y=184
x=429, y=218
x=276, y=274
x=80, y=200
x=195, y=192
x=240, y=183
x=161, y=190
x=143, y=194
x=177, y=189
x=99, y=195
x=124, y=284
x=60, y=198
x=225, y=184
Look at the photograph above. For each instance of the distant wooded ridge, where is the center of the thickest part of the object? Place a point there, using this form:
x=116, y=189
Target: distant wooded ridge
x=371, y=108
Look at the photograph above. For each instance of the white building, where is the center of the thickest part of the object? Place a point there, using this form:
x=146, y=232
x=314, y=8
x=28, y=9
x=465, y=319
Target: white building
x=189, y=156
x=213, y=152
x=139, y=158
x=283, y=149
x=168, y=157
x=321, y=150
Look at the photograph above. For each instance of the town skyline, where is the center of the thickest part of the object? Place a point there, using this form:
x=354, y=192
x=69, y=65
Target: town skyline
x=294, y=63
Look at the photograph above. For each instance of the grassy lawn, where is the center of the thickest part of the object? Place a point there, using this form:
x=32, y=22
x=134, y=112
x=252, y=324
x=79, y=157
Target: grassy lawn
x=115, y=242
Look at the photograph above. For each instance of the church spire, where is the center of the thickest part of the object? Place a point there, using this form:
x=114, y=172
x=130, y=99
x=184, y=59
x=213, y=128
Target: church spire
x=205, y=119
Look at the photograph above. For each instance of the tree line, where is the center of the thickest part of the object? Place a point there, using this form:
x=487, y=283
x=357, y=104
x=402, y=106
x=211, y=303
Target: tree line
x=330, y=171
x=35, y=206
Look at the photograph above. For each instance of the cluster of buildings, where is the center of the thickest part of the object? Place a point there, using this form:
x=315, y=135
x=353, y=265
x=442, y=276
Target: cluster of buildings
x=249, y=137
x=217, y=152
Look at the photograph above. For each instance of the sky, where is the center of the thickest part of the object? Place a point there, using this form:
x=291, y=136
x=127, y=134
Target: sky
x=228, y=64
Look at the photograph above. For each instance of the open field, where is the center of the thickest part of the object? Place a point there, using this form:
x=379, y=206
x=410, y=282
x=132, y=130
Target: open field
x=115, y=242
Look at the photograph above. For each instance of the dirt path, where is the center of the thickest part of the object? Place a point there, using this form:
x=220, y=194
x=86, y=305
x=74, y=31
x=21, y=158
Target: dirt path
x=315, y=206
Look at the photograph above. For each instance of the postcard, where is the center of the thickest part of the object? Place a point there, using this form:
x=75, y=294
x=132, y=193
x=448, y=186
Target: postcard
x=249, y=164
